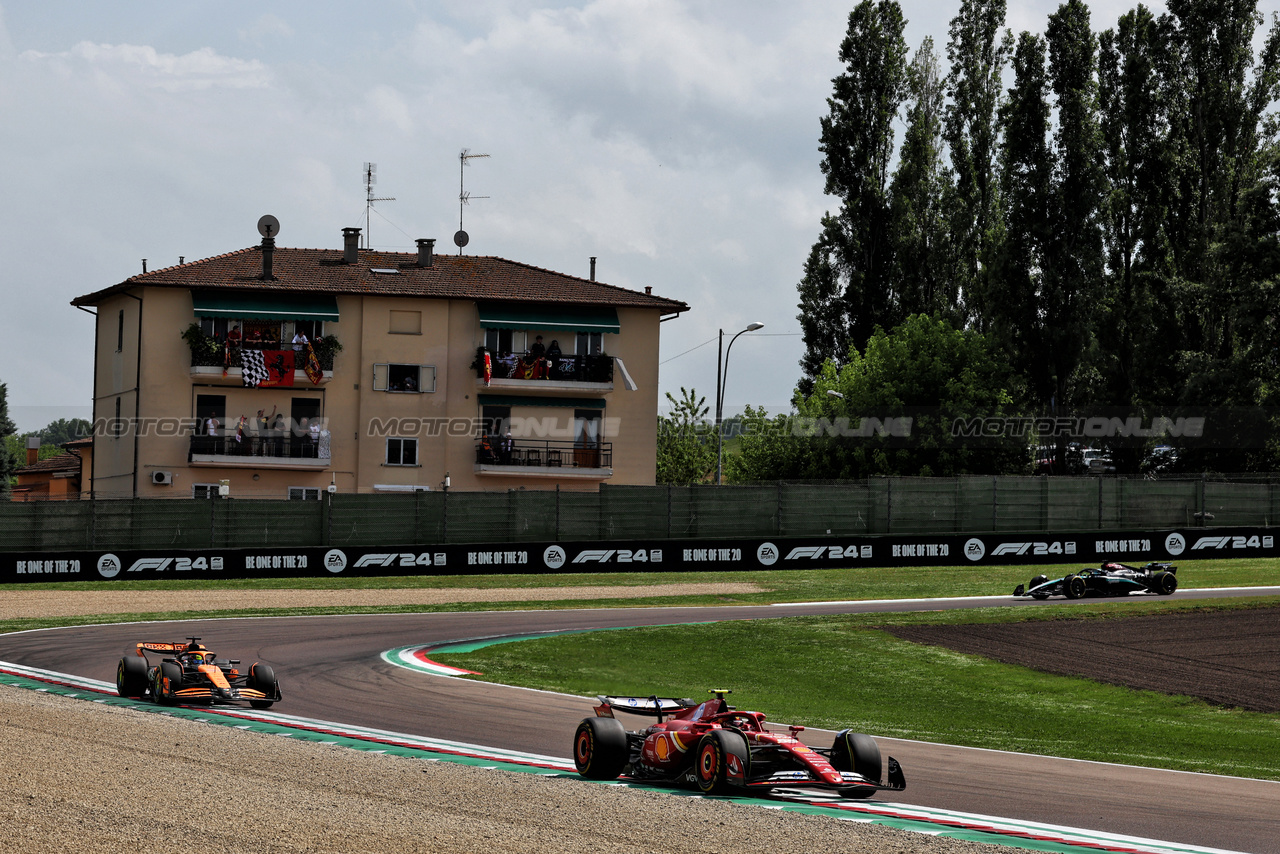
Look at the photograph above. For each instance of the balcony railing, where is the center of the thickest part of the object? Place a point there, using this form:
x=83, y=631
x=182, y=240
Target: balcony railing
x=544, y=454
x=210, y=352
x=581, y=369
x=267, y=446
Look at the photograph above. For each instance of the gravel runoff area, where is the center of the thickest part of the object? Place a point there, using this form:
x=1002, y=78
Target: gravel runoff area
x=84, y=777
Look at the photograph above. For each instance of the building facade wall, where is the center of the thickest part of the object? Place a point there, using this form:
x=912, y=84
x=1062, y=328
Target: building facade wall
x=148, y=370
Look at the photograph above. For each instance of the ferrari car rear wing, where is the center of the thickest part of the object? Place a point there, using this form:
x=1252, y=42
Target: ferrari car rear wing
x=649, y=706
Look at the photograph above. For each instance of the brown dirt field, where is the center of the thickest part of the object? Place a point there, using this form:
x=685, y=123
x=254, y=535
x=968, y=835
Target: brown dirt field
x=1228, y=658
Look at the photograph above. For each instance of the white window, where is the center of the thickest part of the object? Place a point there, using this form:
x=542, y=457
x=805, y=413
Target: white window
x=304, y=493
x=405, y=379
x=204, y=490
x=589, y=344
x=402, y=452
x=499, y=341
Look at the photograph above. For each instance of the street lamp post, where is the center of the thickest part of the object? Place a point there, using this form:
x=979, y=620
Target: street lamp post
x=722, y=379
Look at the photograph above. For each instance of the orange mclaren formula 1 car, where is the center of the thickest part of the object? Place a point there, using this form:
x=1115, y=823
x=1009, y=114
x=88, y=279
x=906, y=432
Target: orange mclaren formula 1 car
x=190, y=673
x=721, y=749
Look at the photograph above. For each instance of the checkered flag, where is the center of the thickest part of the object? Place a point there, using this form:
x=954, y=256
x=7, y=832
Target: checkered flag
x=253, y=367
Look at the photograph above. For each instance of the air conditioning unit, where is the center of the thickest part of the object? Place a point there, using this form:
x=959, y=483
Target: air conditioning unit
x=163, y=478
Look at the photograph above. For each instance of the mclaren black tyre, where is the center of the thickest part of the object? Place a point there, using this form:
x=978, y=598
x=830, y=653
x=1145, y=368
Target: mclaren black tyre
x=131, y=677
x=600, y=749
x=1073, y=587
x=167, y=672
x=263, y=678
x=722, y=755
x=1164, y=583
x=853, y=751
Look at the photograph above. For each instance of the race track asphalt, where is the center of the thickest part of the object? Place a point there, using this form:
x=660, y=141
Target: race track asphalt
x=330, y=668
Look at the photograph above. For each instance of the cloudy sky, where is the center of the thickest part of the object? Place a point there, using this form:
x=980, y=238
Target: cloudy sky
x=675, y=140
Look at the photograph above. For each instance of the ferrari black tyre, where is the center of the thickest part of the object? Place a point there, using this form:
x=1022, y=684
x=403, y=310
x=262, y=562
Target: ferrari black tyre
x=600, y=749
x=263, y=678
x=853, y=751
x=170, y=671
x=1165, y=583
x=717, y=754
x=1073, y=586
x=131, y=677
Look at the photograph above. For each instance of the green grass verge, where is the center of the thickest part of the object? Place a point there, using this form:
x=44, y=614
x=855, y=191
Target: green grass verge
x=838, y=672
x=776, y=585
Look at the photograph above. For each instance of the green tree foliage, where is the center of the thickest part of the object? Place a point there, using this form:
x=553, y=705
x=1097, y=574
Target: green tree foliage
x=979, y=54
x=7, y=430
x=920, y=185
x=1111, y=219
x=686, y=441
x=846, y=290
x=914, y=381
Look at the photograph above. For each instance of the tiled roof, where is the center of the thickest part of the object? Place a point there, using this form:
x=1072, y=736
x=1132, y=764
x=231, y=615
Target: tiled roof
x=449, y=277
x=65, y=462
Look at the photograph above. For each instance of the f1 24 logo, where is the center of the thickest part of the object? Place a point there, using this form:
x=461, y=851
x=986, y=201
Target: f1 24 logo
x=819, y=552
x=1254, y=542
x=181, y=564
x=1056, y=548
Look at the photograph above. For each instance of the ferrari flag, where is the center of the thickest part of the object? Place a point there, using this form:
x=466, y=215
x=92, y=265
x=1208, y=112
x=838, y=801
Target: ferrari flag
x=312, y=367
x=267, y=368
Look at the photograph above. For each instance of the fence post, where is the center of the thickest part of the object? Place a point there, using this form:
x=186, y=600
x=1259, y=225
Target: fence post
x=995, y=504
x=557, y=511
x=1099, y=502
x=888, y=505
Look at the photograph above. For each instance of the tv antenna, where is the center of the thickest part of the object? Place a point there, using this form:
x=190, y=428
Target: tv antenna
x=461, y=239
x=371, y=178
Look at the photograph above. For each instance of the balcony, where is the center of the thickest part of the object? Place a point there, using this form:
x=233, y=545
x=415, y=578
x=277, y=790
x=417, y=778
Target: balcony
x=268, y=450
x=545, y=458
x=580, y=373
x=220, y=361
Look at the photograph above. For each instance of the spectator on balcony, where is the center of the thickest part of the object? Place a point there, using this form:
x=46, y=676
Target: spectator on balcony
x=505, y=448
x=233, y=337
x=211, y=426
x=537, y=350
x=254, y=341
x=271, y=339
x=553, y=358
x=299, y=341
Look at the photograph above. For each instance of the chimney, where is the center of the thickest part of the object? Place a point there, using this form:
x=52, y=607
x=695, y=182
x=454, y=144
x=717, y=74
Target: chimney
x=144, y=265
x=350, y=246
x=593, y=268
x=648, y=289
x=33, y=450
x=426, y=247
x=268, y=253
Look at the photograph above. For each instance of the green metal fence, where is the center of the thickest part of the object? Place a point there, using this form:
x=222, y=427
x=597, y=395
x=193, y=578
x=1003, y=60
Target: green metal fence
x=876, y=506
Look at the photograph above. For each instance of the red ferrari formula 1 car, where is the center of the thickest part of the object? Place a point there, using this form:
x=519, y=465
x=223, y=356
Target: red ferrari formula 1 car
x=190, y=673
x=722, y=749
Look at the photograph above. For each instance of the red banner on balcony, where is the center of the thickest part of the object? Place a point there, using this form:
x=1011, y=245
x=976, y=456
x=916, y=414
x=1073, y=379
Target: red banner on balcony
x=267, y=368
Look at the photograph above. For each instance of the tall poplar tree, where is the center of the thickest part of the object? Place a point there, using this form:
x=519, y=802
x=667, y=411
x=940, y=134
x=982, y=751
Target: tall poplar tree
x=922, y=280
x=845, y=292
x=978, y=53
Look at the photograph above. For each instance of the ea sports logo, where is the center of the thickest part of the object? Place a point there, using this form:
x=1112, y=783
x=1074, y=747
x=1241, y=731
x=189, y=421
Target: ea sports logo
x=1174, y=544
x=767, y=554
x=335, y=560
x=553, y=557
x=974, y=549
x=109, y=566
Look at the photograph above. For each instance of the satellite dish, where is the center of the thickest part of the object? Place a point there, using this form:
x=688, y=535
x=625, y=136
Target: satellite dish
x=268, y=226
x=461, y=239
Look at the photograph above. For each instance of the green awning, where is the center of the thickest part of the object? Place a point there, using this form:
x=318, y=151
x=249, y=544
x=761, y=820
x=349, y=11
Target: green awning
x=552, y=318
x=274, y=306
x=518, y=400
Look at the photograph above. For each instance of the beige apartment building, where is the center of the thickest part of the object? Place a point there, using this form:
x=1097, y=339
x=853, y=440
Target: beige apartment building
x=282, y=373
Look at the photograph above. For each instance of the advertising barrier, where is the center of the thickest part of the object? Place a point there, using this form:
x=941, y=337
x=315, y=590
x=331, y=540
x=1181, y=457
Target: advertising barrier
x=830, y=552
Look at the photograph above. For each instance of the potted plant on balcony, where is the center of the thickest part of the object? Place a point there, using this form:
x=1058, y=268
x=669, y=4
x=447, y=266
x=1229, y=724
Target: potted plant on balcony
x=205, y=351
x=326, y=347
